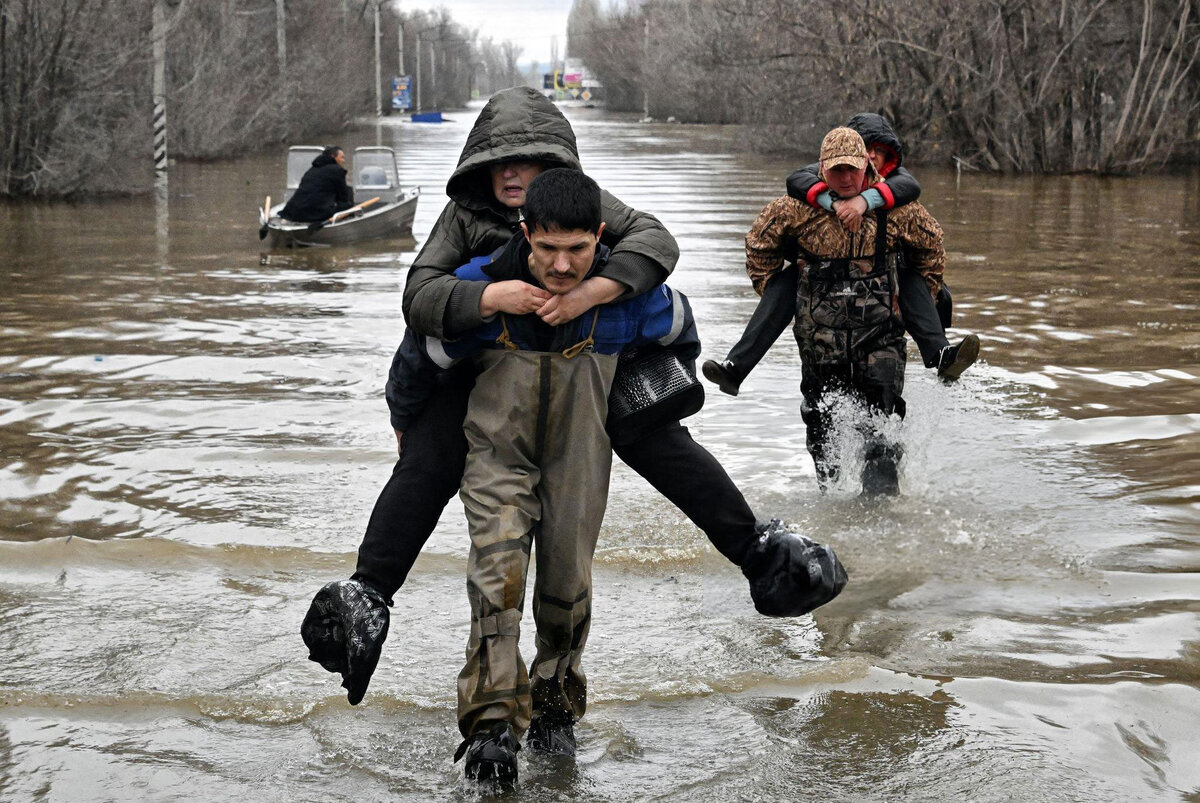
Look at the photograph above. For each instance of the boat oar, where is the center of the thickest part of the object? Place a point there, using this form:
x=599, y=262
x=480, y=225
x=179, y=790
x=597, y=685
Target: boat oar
x=313, y=228
x=264, y=215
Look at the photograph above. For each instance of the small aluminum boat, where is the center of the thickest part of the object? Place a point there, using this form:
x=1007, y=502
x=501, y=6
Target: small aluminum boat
x=375, y=176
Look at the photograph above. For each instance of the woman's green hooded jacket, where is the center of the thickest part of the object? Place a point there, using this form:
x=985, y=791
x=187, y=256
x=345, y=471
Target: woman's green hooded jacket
x=517, y=124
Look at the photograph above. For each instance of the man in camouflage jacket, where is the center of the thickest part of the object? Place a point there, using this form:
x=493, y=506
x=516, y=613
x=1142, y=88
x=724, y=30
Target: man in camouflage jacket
x=848, y=324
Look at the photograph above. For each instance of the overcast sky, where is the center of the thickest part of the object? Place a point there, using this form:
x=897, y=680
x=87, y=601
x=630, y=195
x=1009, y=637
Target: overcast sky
x=530, y=24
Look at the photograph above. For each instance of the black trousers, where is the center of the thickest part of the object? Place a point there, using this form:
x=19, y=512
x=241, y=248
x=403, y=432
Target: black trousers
x=921, y=317
x=774, y=313
x=430, y=470
x=777, y=308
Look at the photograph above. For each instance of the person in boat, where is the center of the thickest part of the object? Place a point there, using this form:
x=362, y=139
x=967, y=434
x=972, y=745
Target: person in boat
x=850, y=335
x=923, y=316
x=323, y=191
x=517, y=135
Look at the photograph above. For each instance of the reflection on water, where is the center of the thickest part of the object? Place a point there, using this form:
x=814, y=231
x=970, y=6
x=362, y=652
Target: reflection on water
x=192, y=433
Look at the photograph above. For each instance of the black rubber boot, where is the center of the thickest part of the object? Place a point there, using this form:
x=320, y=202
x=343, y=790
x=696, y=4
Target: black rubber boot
x=827, y=474
x=723, y=374
x=881, y=475
x=491, y=756
x=552, y=733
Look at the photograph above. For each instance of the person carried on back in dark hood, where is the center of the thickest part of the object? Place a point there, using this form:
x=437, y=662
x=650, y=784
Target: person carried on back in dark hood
x=924, y=317
x=518, y=134
x=850, y=335
x=323, y=191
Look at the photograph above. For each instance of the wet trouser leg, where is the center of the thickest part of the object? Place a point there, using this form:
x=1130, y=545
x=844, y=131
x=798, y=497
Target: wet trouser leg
x=921, y=318
x=576, y=467
x=873, y=379
x=774, y=313
x=424, y=479
x=818, y=417
x=493, y=685
x=537, y=476
x=879, y=374
x=685, y=473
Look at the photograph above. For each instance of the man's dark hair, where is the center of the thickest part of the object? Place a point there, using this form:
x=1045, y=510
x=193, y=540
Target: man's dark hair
x=562, y=199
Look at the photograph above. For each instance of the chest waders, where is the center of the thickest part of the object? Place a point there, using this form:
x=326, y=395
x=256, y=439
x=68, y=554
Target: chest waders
x=851, y=339
x=536, y=479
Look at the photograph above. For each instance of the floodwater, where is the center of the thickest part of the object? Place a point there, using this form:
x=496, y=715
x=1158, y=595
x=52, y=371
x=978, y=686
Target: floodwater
x=192, y=436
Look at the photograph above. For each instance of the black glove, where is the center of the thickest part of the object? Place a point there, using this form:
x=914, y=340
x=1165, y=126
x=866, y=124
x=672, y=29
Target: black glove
x=789, y=574
x=344, y=629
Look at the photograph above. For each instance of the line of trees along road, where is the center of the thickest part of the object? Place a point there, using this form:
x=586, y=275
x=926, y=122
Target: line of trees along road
x=75, y=81
x=1006, y=85
x=1104, y=86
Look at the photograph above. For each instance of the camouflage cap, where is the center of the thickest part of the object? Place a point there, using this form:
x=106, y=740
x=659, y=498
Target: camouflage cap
x=843, y=146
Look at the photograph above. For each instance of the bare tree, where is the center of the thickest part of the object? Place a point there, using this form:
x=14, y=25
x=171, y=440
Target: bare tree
x=1006, y=85
x=74, y=82
x=69, y=99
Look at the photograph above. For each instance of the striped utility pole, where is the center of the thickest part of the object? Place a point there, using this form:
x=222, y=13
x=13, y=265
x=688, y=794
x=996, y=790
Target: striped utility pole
x=158, y=35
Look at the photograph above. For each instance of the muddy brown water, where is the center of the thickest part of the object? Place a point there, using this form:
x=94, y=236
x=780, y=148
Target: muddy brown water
x=192, y=435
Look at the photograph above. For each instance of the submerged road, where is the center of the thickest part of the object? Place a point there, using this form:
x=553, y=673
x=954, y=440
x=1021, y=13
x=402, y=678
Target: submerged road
x=192, y=435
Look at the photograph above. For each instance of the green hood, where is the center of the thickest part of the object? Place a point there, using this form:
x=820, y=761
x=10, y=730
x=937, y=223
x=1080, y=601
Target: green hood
x=517, y=124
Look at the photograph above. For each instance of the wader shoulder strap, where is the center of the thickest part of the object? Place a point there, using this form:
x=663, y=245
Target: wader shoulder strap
x=880, y=240
x=583, y=344
x=881, y=267
x=504, y=338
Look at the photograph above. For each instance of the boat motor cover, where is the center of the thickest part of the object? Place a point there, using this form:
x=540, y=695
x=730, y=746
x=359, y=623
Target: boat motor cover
x=344, y=629
x=789, y=574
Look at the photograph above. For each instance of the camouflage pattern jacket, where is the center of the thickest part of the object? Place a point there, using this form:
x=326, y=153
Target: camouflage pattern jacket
x=788, y=230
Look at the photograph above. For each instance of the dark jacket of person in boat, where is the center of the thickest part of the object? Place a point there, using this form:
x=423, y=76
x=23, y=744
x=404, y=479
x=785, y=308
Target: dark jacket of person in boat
x=517, y=125
x=323, y=191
